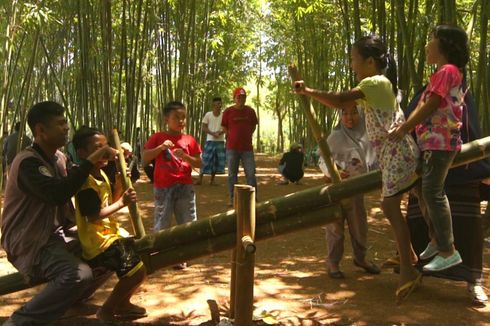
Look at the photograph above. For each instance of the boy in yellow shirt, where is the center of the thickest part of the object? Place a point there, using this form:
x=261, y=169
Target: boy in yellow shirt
x=102, y=238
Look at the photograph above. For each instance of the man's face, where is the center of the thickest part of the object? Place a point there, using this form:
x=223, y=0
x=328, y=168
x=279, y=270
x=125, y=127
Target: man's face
x=217, y=106
x=240, y=100
x=54, y=132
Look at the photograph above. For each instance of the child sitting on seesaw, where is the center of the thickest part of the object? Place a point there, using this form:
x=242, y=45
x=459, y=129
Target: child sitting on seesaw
x=102, y=238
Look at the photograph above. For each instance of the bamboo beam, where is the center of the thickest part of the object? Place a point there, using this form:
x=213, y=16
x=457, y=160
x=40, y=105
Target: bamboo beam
x=308, y=208
x=227, y=241
x=139, y=229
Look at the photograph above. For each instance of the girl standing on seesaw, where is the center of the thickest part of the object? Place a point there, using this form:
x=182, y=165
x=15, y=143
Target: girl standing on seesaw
x=437, y=121
x=376, y=93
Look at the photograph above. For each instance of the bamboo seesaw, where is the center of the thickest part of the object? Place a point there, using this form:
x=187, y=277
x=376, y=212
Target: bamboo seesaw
x=301, y=210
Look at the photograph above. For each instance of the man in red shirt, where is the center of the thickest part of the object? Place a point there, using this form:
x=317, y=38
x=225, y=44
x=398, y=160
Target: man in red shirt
x=239, y=123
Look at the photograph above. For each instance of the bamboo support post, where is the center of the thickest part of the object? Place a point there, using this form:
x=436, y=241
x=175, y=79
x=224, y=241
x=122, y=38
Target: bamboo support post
x=315, y=128
x=245, y=260
x=139, y=229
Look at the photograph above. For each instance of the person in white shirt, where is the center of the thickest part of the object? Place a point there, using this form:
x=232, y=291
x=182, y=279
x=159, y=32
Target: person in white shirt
x=214, y=154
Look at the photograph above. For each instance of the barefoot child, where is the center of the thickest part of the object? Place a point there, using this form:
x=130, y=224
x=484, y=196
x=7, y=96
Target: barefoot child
x=437, y=122
x=397, y=160
x=100, y=235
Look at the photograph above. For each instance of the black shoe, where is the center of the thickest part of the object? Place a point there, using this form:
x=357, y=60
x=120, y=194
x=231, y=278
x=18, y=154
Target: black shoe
x=336, y=275
x=370, y=267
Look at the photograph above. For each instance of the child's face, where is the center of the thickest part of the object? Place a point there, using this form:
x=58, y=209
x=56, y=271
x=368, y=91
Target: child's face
x=432, y=52
x=175, y=120
x=350, y=117
x=358, y=64
x=95, y=142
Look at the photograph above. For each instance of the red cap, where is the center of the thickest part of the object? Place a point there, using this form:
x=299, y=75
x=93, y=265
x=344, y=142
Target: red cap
x=239, y=91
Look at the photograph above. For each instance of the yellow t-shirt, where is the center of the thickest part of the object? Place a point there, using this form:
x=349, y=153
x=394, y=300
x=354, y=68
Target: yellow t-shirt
x=98, y=235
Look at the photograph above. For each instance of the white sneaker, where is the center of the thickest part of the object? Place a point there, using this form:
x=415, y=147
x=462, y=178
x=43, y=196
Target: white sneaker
x=477, y=293
x=429, y=252
x=440, y=263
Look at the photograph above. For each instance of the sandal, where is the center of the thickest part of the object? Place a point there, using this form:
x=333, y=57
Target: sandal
x=391, y=262
x=406, y=289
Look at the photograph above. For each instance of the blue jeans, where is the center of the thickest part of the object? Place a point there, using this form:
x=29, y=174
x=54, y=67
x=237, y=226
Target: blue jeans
x=432, y=197
x=179, y=199
x=233, y=158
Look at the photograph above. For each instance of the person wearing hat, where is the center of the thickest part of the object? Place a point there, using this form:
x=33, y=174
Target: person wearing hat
x=291, y=165
x=239, y=122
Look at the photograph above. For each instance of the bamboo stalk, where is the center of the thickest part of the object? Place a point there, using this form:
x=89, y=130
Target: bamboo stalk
x=227, y=241
x=315, y=128
x=278, y=208
x=245, y=261
x=134, y=214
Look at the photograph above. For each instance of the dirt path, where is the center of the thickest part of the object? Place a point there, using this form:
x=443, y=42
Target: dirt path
x=291, y=282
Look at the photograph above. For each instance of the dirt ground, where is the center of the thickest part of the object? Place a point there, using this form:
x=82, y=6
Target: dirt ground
x=291, y=283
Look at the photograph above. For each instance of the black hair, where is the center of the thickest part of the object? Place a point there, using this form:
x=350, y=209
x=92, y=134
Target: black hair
x=453, y=44
x=43, y=112
x=216, y=99
x=17, y=126
x=172, y=106
x=82, y=136
x=372, y=46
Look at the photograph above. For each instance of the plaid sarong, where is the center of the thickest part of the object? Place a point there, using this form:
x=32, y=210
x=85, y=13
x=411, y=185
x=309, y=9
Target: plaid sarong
x=213, y=157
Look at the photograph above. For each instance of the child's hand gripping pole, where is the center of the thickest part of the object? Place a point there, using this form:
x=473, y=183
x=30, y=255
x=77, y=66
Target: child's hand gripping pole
x=138, y=227
x=315, y=128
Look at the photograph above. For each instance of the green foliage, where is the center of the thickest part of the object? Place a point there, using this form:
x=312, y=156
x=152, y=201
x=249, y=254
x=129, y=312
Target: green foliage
x=115, y=63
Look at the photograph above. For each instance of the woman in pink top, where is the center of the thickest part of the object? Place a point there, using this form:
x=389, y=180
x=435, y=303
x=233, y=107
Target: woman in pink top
x=437, y=122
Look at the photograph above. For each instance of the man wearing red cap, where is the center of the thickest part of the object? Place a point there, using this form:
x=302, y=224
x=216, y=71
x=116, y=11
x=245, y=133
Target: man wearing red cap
x=239, y=122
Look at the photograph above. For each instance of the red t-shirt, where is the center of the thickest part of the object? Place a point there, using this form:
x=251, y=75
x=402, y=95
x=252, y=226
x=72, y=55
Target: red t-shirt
x=240, y=124
x=170, y=170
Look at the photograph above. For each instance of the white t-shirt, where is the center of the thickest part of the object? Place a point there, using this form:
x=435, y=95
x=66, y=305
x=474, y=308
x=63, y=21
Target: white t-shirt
x=214, y=125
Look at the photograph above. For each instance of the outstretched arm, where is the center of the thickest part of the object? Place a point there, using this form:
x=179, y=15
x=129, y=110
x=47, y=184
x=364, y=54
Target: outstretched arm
x=330, y=99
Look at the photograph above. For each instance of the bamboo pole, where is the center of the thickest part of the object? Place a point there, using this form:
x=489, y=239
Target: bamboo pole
x=315, y=128
x=15, y=282
x=134, y=214
x=281, y=207
x=294, y=223
x=245, y=258
x=234, y=254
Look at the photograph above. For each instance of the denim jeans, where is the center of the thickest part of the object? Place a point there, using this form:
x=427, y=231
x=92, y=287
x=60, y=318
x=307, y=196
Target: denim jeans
x=180, y=199
x=433, y=201
x=233, y=158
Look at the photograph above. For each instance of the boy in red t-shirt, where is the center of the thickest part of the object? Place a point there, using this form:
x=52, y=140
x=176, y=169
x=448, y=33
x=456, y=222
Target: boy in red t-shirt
x=175, y=155
x=239, y=122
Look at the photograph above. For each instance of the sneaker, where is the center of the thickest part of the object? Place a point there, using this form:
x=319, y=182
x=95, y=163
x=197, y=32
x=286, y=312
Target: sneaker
x=429, y=252
x=180, y=266
x=440, y=263
x=477, y=293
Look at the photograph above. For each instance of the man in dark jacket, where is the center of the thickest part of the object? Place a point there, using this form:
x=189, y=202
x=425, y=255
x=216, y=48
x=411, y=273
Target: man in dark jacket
x=37, y=211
